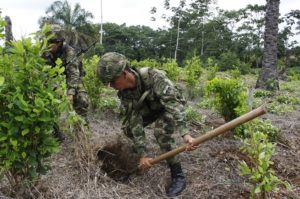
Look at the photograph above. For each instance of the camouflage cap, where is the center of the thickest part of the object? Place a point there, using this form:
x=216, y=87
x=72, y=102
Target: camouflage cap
x=111, y=65
x=58, y=33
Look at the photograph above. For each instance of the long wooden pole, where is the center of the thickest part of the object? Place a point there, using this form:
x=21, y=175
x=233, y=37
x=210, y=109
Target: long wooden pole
x=213, y=133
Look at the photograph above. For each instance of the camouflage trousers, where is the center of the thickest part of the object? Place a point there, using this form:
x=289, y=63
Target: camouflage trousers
x=164, y=128
x=81, y=101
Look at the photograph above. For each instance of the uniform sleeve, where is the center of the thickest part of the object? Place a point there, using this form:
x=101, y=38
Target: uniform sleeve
x=133, y=128
x=169, y=98
x=72, y=72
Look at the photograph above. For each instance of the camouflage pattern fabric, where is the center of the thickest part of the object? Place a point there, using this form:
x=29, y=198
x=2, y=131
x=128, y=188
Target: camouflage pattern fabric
x=73, y=75
x=163, y=105
x=110, y=66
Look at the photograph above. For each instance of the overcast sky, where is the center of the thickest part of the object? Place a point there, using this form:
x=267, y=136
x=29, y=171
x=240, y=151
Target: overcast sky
x=25, y=13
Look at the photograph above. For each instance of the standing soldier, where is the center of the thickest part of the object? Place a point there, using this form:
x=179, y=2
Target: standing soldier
x=73, y=70
x=148, y=96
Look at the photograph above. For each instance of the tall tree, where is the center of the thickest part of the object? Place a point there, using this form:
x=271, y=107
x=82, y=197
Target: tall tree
x=268, y=78
x=75, y=21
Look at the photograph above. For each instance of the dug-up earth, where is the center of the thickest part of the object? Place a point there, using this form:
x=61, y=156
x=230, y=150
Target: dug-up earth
x=211, y=170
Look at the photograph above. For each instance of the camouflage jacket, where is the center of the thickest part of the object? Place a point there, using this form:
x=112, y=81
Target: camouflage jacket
x=155, y=94
x=72, y=70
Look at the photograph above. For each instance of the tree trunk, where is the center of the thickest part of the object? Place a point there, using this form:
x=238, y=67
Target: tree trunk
x=268, y=78
x=8, y=32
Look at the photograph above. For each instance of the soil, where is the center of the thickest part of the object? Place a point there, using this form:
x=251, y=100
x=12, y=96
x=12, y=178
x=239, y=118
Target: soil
x=211, y=171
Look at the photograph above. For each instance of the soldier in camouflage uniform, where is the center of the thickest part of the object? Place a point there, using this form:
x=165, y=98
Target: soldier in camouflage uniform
x=148, y=96
x=76, y=92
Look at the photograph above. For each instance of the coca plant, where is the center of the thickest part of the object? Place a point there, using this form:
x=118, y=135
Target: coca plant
x=32, y=98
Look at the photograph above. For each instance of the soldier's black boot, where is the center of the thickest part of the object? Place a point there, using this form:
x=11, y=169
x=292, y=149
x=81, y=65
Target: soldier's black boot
x=178, y=183
x=58, y=134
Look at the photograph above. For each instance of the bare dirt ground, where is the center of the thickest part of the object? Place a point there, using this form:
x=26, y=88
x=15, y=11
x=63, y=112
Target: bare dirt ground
x=211, y=170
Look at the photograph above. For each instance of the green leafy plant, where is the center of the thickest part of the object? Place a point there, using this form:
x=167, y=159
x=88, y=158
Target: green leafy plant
x=235, y=73
x=262, y=93
x=152, y=63
x=192, y=71
x=264, y=126
x=31, y=101
x=229, y=97
x=172, y=69
x=279, y=108
x=259, y=150
x=100, y=96
x=288, y=99
x=228, y=61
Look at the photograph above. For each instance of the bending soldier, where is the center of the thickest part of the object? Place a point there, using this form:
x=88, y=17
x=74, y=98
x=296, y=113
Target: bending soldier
x=148, y=96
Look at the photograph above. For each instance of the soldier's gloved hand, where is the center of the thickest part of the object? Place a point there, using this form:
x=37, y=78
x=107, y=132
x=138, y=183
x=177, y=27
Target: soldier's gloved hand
x=190, y=145
x=71, y=99
x=145, y=163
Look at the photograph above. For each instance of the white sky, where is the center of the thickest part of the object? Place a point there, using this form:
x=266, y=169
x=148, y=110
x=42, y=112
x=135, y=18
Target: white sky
x=25, y=13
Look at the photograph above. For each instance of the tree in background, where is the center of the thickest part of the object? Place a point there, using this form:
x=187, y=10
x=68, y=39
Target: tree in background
x=268, y=78
x=76, y=22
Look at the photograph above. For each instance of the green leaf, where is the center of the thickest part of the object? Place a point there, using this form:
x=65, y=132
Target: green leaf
x=13, y=142
x=3, y=137
x=25, y=132
x=1, y=81
x=39, y=102
x=24, y=155
x=19, y=118
x=257, y=190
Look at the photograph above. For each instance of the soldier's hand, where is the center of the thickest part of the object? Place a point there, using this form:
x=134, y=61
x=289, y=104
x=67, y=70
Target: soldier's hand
x=71, y=99
x=145, y=163
x=190, y=143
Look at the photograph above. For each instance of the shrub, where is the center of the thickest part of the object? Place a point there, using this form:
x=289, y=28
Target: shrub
x=288, y=99
x=293, y=75
x=280, y=109
x=264, y=126
x=230, y=97
x=31, y=101
x=100, y=96
x=172, y=69
x=228, y=61
x=192, y=71
x=91, y=82
x=259, y=150
x=262, y=93
x=152, y=63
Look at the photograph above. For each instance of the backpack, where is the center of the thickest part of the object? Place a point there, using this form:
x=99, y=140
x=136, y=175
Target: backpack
x=145, y=74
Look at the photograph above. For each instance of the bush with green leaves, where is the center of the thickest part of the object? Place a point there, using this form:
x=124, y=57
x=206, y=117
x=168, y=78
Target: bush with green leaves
x=172, y=69
x=235, y=73
x=259, y=150
x=228, y=61
x=32, y=97
x=100, y=96
x=264, y=126
x=262, y=93
x=280, y=108
x=229, y=97
x=91, y=81
x=192, y=71
x=288, y=99
x=292, y=75
x=152, y=63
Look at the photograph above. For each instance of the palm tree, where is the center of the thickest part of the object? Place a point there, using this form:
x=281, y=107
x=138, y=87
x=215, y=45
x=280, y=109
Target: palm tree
x=268, y=78
x=75, y=22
